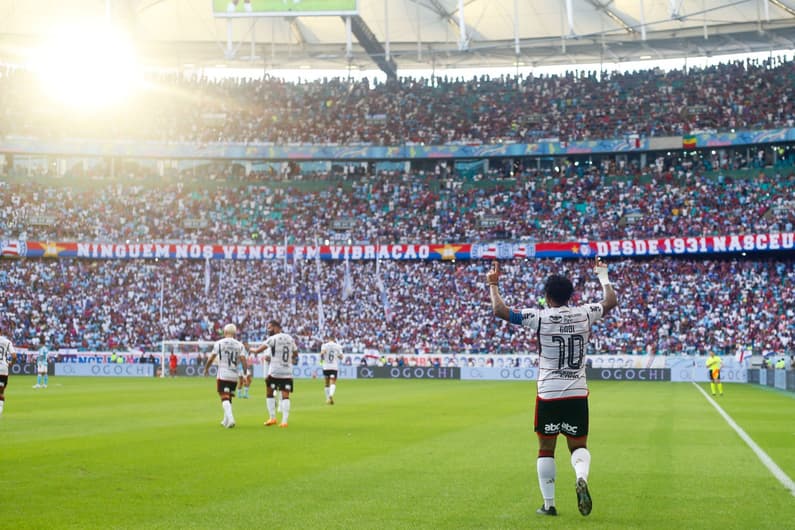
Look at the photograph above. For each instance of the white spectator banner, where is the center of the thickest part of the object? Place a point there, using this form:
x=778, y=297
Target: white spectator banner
x=671, y=246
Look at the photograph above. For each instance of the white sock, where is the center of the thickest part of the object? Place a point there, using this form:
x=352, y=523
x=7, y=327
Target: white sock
x=546, y=479
x=327, y=391
x=271, y=402
x=227, y=405
x=285, y=409
x=581, y=461
x=2, y=404
x=332, y=388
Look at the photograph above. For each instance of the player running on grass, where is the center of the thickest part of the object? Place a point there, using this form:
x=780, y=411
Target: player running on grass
x=281, y=355
x=562, y=398
x=330, y=355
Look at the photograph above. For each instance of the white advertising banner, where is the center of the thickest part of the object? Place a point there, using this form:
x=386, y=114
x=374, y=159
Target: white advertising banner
x=104, y=369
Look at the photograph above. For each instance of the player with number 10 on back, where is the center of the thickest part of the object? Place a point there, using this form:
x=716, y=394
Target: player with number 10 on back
x=562, y=400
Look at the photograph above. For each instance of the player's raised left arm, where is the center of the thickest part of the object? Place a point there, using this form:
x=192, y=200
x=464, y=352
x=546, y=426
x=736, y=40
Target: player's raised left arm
x=610, y=299
x=497, y=304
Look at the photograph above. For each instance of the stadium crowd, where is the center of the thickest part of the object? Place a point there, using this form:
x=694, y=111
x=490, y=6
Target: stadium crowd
x=404, y=208
x=668, y=305
x=742, y=95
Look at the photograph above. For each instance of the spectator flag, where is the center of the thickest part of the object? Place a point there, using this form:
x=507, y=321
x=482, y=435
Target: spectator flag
x=13, y=248
x=347, y=283
x=321, y=320
x=490, y=252
x=162, y=292
x=285, y=253
x=206, y=276
x=379, y=284
x=743, y=353
x=293, y=288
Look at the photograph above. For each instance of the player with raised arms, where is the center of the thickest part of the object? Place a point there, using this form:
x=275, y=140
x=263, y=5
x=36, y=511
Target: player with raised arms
x=562, y=398
x=227, y=351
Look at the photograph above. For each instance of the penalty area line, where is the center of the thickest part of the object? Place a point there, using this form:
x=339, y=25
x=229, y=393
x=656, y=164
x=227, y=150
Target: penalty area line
x=760, y=453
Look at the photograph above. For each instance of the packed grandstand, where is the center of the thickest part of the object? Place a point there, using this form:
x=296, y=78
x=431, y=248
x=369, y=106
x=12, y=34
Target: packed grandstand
x=741, y=95
x=685, y=304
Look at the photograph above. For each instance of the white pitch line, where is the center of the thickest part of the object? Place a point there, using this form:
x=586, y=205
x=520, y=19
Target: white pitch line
x=766, y=460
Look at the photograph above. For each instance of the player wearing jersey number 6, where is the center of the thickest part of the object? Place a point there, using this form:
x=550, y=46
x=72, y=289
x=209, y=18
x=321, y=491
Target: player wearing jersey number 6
x=562, y=399
x=330, y=356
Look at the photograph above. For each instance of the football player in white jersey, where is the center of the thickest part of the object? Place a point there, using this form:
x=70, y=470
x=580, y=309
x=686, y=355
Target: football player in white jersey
x=227, y=351
x=8, y=356
x=330, y=355
x=562, y=399
x=281, y=355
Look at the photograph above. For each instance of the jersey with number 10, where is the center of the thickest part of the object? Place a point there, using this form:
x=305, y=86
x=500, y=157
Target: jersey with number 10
x=281, y=348
x=563, y=334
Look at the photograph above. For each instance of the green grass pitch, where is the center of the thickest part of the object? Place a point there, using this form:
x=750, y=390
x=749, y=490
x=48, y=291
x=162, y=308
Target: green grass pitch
x=148, y=453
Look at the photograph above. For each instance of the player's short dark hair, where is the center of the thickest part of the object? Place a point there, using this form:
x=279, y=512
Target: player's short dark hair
x=276, y=323
x=558, y=289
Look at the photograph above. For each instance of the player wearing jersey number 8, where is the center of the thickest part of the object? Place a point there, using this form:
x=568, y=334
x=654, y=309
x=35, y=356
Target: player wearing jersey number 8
x=281, y=355
x=562, y=399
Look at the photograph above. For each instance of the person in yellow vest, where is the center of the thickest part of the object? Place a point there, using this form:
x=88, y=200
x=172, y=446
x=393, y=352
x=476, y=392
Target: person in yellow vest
x=781, y=364
x=714, y=364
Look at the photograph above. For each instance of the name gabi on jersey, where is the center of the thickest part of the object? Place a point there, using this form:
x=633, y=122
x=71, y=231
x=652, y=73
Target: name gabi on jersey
x=566, y=374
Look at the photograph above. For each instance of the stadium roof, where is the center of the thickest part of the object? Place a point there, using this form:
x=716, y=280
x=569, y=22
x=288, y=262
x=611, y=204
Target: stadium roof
x=422, y=34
